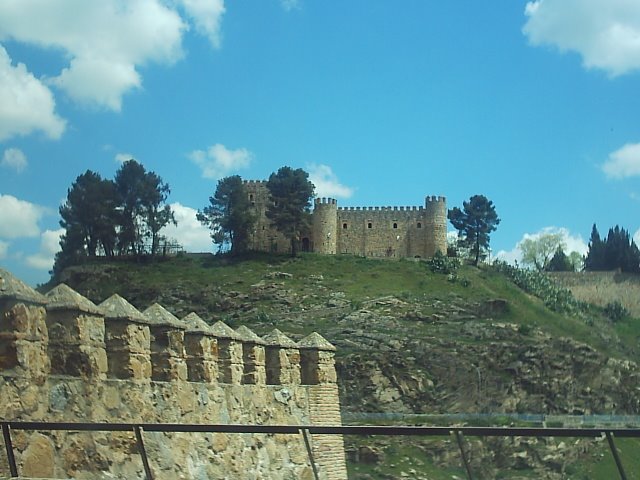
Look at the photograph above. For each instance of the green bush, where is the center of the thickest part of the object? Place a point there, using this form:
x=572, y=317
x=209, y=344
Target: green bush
x=441, y=264
x=540, y=285
x=615, y=311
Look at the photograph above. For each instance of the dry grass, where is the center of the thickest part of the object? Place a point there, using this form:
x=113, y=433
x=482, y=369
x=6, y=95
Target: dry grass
x=601, y=288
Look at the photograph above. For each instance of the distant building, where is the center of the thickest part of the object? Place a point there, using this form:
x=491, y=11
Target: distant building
x=395, y=232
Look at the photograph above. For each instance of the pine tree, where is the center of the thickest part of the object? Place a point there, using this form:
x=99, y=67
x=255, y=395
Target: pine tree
x=595, y=254
x=475, y=222
x=560, y=262
x=291, y=193
x=229, y=214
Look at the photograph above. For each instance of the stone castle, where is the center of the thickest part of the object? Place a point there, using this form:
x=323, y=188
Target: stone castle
x=65, y=359
x=387, y=232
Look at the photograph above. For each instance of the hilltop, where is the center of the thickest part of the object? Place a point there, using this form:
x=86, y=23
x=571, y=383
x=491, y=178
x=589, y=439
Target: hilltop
x=410, y=341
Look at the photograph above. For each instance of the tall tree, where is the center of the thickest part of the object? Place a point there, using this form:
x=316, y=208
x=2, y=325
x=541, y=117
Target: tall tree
x=143, y=213
x=157, y=214
x=229, y=215
x=595, y=254
x=621, y=251
x=539, y=251
x=560, y=262
x=291, y=193
x=129, y=181
x=89, y=215
x=475, y=222
x=618, y=251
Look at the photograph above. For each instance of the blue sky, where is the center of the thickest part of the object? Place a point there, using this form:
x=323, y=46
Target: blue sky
x=534, y=104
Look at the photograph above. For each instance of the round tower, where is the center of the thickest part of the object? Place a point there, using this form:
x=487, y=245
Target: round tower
x=325, y=225
x=436, y=225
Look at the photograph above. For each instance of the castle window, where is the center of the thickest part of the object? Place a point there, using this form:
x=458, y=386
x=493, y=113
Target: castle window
x=251, y=197
x=395, y=225
x=344, y=226
x=369, y=225
x=419, y=225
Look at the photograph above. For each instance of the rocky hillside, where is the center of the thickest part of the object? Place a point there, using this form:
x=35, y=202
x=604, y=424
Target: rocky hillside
x=412, y=341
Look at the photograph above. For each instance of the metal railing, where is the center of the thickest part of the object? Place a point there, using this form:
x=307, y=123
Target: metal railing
x=306, y=431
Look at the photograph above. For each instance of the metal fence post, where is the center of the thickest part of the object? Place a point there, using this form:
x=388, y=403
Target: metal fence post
x=458, y=435
x=616, y=457
x=8, y=445
x=307, y=444
x=143, y=453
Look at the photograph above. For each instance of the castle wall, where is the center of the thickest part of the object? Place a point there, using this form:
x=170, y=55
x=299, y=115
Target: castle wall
x=29, y=391
x=388, y=232
x=384, y=232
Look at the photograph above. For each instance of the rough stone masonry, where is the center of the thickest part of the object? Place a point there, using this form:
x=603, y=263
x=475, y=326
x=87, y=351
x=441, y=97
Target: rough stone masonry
x=65, y=359
x=383, y=232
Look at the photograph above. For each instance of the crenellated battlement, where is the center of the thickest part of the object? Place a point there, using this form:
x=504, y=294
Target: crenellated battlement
x=412, y=208
x=325, y=201
x=113, y=363
x=78, y=336
x=255, y=182
x=435, y=199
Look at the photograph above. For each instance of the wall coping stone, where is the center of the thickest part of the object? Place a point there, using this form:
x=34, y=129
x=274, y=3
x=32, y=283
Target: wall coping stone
x=222, y=330
x=63, y=297
x=195, y=324
x=117, y=308
x=160, y=316
x=12, y=288
x=316, y=341
x=278, y=339
x=248, y=336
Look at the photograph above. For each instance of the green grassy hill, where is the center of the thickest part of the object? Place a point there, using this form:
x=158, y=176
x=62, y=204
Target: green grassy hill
x=411, y=341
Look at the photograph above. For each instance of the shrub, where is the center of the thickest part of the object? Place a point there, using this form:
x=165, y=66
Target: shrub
x=540, y=285
x=441, y=264
x=615, y=311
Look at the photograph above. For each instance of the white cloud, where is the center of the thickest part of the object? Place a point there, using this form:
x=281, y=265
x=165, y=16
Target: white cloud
x=207, y=16
x=289, y=5
x=123, y=157
x=190, y=233
x=19, y=218
x=4, y=248
x=327, y=183
x=15, y=159
x=49, y=246
x=624, y=162
x=106, y=42
x=636, y=237
x=573, y=243
x=218, y=161
x=26, y=104
x=606, y=33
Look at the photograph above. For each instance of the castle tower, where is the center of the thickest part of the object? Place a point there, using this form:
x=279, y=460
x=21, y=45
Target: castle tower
x=325, y=225
x=436, y=225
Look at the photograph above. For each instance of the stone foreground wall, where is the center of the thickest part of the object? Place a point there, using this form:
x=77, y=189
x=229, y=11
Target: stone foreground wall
x=64, y=359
